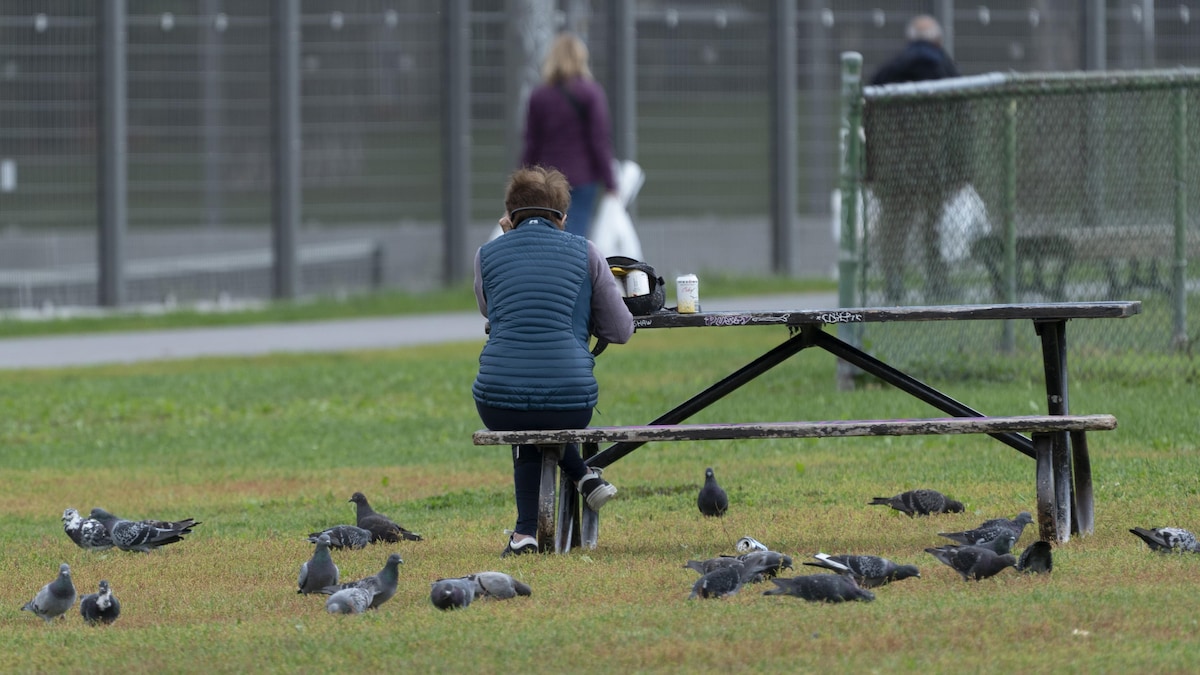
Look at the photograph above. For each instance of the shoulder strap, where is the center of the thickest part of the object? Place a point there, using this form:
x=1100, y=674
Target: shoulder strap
x=575, y=102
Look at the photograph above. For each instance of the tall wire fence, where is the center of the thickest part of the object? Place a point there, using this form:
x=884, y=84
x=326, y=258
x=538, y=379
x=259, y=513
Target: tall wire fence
x=372, y=119
x=1034, y=188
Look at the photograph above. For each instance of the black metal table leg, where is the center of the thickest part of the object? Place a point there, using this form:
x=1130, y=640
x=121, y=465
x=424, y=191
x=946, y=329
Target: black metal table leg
x=1066, y=447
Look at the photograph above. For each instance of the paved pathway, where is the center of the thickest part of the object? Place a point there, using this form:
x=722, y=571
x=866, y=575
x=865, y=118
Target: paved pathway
x=313, y=336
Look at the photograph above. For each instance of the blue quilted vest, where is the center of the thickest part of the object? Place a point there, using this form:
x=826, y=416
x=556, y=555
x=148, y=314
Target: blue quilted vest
x=539, y=296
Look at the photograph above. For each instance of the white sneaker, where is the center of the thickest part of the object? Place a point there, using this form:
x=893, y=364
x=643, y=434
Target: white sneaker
x=595, y=489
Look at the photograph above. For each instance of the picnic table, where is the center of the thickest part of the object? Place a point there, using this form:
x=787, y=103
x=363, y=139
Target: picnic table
x=1057, y=440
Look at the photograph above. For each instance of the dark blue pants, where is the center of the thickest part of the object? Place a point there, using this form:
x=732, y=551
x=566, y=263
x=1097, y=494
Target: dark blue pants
x=583, y=207
x=527, y=459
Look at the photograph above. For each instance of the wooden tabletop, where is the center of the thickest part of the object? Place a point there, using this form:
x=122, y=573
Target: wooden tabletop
x=1045, y=311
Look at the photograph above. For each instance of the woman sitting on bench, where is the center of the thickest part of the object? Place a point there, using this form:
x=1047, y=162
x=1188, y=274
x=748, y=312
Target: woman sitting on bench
x=544, y=292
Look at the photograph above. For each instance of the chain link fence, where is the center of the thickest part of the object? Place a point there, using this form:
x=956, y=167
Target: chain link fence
x=1035, y=188
x=372, y=116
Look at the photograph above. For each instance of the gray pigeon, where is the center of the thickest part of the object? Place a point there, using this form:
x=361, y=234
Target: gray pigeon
x=101, y=607
x=1168, y=539
x=455, y=593
x=381, y=585
x=703, y=567
x=719, y=583
x=1001, y=544
x=87, y=533
x=991, y=529
x=1036, y=558
x=142, y=535
x=764, y=565
x=821, y=588
x=498, y=585
x=712, y=499
x=349, y=601
x=55, y=598
x=184, y=526
x=381, y=527
x=344, y=536
x=869, y=571
x=319, y=571
x=921, y=502
x=973, y=562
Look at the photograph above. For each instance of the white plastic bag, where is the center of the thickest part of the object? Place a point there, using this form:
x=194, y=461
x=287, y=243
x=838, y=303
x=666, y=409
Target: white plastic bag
x=612, y=230
x=964, y=219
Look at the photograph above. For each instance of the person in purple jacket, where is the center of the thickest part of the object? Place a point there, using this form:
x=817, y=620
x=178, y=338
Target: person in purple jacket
x=544, y=292
x=567, y=128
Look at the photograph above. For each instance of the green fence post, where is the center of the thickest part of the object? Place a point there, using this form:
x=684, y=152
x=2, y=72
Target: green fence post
x=1179, y=279
x=1009, y=208
x=850, y=151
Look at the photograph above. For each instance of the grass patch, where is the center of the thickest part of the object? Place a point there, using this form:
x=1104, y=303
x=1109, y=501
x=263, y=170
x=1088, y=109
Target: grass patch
x=266, y=450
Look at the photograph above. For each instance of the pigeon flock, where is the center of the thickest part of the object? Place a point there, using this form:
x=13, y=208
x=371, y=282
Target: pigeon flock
x=979, y=553
x=101, y=531
x=976, y=554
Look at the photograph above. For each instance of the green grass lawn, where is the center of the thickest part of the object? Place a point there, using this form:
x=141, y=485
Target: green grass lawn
x=266, y=450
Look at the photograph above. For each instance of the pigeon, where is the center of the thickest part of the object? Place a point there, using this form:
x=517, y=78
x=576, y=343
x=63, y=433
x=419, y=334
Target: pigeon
x=1001, y=544
x=712, y=500
x=1168, y=539
x=921, y=502
x=101, y=607
x=991, y=529
x=719, y=583
x=712, y=564
x=382, y=528
x=184, y=526
x=761, y=565
x=1035, y=559
x=455, y=593
x=381, y=585
x=87, y=533
x=349, y=601
x=344, y=536
x=821, y=588
x=498, y=585
x=973, y=562
x=55, y=598
x=869, y=571
x=320, y=570
x=142, y=535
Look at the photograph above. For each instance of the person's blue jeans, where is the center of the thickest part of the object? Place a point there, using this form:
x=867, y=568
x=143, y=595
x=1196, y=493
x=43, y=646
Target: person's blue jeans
x=527, y=459
x=583, y=206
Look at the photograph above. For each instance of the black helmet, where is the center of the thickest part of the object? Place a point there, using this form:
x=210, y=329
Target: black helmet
x=640, y=305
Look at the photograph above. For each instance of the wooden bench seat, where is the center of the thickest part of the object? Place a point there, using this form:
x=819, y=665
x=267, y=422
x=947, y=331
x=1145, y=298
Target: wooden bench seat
x=1054, y=470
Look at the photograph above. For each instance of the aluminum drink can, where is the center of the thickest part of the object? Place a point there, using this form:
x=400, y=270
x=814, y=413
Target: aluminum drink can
x=637, y=283
x=687, y=294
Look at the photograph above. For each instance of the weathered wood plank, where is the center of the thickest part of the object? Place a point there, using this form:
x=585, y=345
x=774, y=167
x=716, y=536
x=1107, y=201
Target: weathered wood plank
x=546, y=499
x=826, y=429
x=1045, y=311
